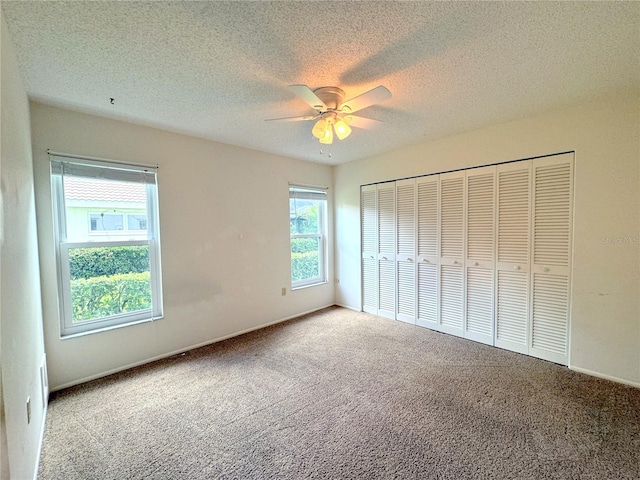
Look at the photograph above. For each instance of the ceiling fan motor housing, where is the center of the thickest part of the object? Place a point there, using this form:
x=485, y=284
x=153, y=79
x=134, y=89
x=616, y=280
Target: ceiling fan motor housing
x=331, y=96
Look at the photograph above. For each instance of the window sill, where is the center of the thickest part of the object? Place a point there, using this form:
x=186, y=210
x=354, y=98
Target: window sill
x=300, y=287
x=110, y=327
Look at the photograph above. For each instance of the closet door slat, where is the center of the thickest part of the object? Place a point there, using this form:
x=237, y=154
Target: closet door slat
x=369, y=236
x=406, y=250
x=386, y=193
x=452, y=252
x=480, y=265
x=512, y=253
x=550, y=292
x=428, y=259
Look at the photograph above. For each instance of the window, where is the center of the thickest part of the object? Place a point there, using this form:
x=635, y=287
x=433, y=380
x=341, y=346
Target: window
x=136, y=222
x=106, y=222
x=115, y=222
x=307, y=221
x=107, y=243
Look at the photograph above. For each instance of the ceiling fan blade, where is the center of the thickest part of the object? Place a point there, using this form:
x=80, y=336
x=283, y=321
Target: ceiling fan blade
x=375, y=95
x=292, y=119
x=361, y=122
x=306, y=94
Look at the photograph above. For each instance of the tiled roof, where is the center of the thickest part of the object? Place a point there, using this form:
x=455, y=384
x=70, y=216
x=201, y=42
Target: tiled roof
x=78, y=188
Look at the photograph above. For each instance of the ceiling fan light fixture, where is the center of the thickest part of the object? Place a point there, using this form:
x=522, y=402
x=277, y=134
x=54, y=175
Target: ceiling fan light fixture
x=333, y=114
x=342, y=129
x=327, y=136
x=319, y=128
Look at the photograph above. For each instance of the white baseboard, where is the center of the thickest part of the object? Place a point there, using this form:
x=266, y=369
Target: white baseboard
x=181, y=350
x=348, y=307
x=604, y=376
x=41, y=440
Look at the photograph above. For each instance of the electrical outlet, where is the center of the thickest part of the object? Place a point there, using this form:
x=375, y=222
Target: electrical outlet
x=284, y=291
x=28, y=410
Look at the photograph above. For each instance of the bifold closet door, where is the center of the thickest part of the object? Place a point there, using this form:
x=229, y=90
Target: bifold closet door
x=369, y=235
x=480, y=225
x=386, y=203
x=428, y=260
x=483, y=253
x=512, y=256
x=406, y=250
x=452, y=252
x=550, y=289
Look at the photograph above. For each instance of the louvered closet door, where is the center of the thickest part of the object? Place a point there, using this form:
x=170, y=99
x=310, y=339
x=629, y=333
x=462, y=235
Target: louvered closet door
x=406, y=250
x=452, y=243
x=428, y=260
x=552, y=209
x=369, y=235
x=386, y=194
x=512, y=256
x=480, y=225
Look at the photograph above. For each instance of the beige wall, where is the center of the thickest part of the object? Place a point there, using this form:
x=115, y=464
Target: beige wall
x=224, y=221
x=22, y=347
x=605, y=299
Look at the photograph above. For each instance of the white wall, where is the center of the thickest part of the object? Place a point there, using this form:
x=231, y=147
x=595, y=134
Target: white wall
x=605, y=323
x=224, y=220
x=22, y=346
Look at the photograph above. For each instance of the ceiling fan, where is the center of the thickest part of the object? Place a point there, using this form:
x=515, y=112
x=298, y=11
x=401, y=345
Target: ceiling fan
x=333, y=113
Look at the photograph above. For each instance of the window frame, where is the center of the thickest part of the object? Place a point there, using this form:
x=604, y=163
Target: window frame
x=311, y=193
x=90, y=168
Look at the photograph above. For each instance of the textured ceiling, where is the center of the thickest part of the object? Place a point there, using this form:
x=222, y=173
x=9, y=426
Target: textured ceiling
x=218, y=69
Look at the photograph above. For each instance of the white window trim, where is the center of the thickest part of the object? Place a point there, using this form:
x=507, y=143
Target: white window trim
x=319, y=194
x=62, y=246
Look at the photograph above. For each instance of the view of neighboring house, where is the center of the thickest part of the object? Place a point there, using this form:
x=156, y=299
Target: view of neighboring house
x=104, y=210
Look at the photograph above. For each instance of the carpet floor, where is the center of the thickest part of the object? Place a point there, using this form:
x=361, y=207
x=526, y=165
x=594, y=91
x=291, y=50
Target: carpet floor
x=343, y=395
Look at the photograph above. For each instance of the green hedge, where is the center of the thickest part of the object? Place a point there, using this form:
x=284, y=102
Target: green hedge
x=303, y=245
x=101, y=261
x=304, y=265
x=109, y=295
